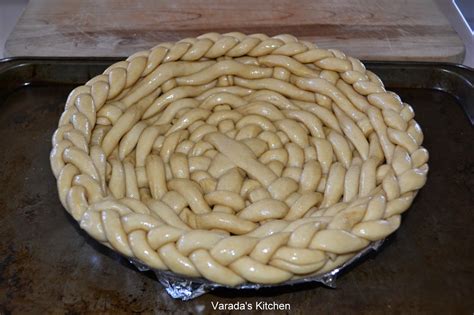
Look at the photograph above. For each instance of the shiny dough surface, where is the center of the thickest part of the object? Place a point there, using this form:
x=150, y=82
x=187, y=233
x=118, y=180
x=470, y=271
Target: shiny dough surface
x=238, y=158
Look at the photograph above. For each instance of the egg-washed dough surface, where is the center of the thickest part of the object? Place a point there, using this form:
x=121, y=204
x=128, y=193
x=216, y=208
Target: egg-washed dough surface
x=238, y=158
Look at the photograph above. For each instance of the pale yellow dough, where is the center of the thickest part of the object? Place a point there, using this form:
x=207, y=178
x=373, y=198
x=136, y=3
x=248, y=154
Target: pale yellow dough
x=238, y=158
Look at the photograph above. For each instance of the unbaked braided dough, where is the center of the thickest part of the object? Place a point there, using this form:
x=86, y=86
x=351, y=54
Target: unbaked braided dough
x=238, y=158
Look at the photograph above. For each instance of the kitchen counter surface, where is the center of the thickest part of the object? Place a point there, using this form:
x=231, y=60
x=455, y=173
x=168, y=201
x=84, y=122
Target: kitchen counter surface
x=367, y=29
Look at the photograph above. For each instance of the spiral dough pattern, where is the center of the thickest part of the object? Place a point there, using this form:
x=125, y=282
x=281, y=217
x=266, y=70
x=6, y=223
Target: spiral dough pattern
x=238, y=158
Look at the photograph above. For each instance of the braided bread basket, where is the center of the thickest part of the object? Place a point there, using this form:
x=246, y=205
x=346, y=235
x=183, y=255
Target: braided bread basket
x=238, y=158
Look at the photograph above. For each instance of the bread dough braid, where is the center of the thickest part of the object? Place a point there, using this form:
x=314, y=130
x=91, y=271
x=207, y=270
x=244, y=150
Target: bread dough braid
x=238, y=158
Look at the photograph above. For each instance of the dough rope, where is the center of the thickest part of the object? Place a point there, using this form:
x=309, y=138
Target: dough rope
x=238, y=158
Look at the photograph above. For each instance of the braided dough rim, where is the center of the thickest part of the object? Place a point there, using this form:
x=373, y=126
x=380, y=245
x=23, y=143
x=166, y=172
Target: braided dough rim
x=310, y=245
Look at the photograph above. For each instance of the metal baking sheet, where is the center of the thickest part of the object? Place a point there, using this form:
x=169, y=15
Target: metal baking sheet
x=47, y=264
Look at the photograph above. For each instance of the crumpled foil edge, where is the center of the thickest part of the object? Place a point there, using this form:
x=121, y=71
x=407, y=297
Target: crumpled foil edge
x=186, y=288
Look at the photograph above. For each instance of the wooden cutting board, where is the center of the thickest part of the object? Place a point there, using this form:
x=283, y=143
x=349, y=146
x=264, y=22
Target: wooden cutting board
x=367, y=29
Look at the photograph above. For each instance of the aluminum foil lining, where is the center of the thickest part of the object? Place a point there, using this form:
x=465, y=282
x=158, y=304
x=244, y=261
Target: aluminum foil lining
x=186, y=288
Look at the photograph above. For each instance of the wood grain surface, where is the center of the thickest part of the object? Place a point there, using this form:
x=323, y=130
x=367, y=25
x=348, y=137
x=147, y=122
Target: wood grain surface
x=367, y=29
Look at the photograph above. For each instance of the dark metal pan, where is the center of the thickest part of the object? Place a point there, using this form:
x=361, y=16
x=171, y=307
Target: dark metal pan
x=47, y=264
